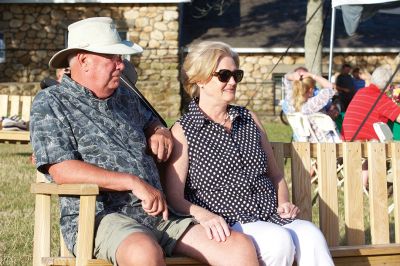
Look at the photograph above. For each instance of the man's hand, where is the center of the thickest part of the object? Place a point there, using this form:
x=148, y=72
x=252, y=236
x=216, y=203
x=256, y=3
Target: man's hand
x=153, y=201
x=160, y=143
x=288, y=210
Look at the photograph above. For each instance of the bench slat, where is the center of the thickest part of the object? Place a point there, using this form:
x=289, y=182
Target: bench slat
x=14, y=105
x=396, y=188
x=327, y=189
x=353, y=194
x=26, y=107
x=301, y=180
x=3, y=105
x=277, y=148
x=379, y=219
x=15, y=136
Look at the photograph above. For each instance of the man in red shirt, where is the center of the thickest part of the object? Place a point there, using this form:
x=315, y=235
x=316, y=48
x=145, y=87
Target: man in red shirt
x=362, y=102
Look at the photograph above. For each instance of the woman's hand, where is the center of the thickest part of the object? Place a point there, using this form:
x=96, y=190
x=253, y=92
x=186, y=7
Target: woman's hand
x=215, y=226
x=288, y=210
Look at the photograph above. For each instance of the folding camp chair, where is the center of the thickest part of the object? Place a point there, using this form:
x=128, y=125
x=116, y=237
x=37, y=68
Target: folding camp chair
x=326, y=125
x=303, y=132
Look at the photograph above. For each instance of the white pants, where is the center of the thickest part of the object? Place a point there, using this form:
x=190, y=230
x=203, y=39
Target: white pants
x=279, y=245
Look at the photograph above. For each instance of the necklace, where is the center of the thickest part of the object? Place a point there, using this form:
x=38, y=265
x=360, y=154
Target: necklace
x=223, y=122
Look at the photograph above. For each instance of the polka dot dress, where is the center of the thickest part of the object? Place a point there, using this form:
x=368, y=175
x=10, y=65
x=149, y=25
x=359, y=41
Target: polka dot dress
x=228, y=172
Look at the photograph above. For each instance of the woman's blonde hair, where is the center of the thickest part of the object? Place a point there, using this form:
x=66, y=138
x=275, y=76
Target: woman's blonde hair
x=202, y=61
x=301, y=89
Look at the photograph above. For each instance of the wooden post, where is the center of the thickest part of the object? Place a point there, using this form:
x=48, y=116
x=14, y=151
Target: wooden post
x=378, y=204
x=353, y=193
x=85, y=229
x=301, y=179
x=396, y=188
x=327, y=189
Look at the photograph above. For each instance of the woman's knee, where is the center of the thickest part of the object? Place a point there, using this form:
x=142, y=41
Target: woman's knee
x=131, y=251
x=306, y=232
x=277, y=249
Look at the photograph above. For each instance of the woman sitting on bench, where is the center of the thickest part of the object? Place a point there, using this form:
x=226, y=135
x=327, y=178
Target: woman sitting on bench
x=222, y=170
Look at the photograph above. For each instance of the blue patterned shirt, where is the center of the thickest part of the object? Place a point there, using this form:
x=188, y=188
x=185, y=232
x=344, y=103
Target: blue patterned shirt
x=69, y=123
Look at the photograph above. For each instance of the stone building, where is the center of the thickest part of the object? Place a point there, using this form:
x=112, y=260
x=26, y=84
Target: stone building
x=31, y=31
x=34, y=30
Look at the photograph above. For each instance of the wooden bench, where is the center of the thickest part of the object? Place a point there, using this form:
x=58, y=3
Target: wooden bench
x=15, y=105
x=339, y=209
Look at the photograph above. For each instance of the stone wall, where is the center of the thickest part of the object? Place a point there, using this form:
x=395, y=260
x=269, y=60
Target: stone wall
x=34, y=32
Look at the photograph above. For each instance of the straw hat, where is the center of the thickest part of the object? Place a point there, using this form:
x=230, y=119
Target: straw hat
x=97, y=35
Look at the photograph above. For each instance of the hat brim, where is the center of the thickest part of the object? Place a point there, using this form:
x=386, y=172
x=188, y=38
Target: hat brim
x=60, y=59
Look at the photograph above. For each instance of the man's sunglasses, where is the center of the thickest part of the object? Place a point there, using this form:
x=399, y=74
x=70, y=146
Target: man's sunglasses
x=224, y=75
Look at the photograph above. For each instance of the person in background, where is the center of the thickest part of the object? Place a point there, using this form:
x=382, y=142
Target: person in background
x=345, y=87
x=89, y=129
x=48, y=82
x=362, y=103
x=222, y=170
x=287, y=102
x=359, y=83
x=60, y=73
x=306, y=103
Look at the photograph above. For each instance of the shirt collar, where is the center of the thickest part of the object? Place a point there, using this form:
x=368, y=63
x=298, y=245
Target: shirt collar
x=80, y=91
x=374, y=87
x=199, y=119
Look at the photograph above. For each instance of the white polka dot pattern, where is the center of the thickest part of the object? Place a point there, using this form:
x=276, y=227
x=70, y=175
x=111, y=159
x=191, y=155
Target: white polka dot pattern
x=228, y=172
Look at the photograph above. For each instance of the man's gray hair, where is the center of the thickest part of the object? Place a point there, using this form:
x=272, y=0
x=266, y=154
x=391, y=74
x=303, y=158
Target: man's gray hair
x=381, y=76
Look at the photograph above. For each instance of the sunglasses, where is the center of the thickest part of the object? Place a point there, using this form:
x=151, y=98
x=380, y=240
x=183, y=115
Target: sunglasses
x=224, y=75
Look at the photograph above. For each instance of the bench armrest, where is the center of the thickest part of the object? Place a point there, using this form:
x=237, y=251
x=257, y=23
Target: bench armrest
x=87, y=195
x=66, y=189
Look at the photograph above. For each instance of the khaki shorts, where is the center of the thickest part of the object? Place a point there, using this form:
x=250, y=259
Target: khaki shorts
x=115, y=227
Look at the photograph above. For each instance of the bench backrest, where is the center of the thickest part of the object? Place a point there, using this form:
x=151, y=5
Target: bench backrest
x=346, y=209
x=15, y=105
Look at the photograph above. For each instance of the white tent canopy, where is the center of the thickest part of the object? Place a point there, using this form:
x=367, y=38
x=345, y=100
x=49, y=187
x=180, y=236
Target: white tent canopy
x=338, y=3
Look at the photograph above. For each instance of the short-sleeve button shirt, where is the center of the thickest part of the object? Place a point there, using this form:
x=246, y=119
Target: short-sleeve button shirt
x=69, y=123
x=228, y=172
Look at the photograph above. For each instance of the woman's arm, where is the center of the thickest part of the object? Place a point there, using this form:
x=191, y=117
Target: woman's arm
x=285, y=208
x=174, y=186
x=316, y=103
x=319, y=79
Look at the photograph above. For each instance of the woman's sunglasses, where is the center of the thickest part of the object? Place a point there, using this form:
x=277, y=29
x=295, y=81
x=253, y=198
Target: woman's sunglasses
x=224, y=75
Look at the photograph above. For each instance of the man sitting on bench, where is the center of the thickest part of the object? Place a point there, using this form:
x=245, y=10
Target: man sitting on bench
x=88, y=129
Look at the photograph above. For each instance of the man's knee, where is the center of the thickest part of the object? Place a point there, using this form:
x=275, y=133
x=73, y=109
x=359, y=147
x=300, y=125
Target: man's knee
x=139, y=249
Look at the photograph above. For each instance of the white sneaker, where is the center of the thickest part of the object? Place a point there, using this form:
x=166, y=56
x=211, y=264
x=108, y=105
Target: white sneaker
x=14, y=123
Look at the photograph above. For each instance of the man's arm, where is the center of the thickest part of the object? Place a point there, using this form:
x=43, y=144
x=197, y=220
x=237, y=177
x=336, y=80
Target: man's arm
x=75, y=171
